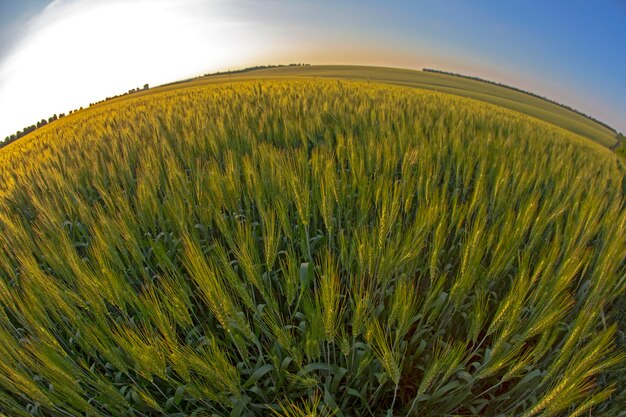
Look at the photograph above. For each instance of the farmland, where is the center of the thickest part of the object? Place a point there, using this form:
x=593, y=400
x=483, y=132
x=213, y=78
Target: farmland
x=489, y=93
x=234, y=246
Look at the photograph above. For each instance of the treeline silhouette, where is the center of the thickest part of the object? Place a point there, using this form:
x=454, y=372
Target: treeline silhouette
x=247, y=69
x=470, y=77
x=131, y=91
x=256, y=67
x=20, y=133
x=28, y=129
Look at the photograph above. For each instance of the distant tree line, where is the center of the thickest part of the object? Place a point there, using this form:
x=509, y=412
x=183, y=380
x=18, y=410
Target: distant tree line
x=28, y=129
x=20, y=133
x=522, y=91
x=131, y=91
x=256, y=67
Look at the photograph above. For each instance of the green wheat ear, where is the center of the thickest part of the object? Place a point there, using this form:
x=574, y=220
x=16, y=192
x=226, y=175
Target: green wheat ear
x=384, y=351
x=308, y=407
x=329, y=300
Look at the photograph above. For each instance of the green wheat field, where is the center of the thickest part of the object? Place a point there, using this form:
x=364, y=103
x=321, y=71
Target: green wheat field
x=310, y=247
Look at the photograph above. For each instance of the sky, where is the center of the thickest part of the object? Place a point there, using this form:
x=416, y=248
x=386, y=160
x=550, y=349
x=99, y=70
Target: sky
x=63, y=54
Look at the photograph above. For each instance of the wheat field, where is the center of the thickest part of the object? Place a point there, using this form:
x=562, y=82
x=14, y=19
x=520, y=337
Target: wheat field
x=310, y=248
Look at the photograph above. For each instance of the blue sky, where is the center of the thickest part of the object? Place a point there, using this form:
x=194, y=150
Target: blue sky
x=571, y=51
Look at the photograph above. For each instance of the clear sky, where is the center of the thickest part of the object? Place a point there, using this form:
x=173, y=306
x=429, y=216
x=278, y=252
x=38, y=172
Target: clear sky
x=63, y=54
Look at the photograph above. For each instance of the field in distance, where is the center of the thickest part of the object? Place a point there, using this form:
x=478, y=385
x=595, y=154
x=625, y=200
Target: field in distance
x=479, y=90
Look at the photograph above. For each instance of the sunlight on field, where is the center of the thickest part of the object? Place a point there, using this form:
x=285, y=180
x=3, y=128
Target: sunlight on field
x=310, y=245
